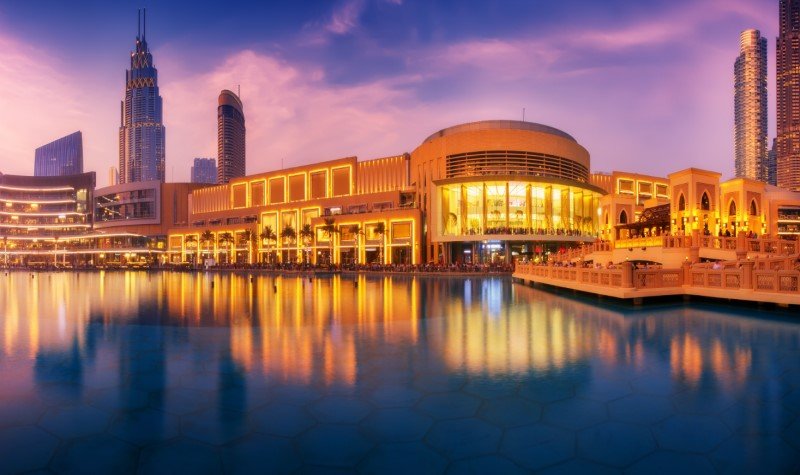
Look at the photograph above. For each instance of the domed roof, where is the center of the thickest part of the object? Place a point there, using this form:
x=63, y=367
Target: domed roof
x=500, y=124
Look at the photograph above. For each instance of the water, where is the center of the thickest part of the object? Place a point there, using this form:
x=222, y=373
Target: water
x=161, y=372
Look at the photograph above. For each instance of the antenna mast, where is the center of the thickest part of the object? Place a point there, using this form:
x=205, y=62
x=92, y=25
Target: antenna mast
x=139, y=23
x=144, y=23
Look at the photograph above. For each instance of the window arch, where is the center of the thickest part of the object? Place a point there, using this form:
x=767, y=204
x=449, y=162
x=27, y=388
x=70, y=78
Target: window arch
x=732, y=209
x=681, y=203
x=753, y=208
x=623, y=217
x=705, y=203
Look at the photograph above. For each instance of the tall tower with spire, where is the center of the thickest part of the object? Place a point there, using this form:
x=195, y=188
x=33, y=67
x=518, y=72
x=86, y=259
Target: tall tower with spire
x=750, y=106
x=141, y=131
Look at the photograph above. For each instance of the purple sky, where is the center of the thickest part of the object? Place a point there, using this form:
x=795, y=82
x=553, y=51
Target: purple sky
x=644, y=86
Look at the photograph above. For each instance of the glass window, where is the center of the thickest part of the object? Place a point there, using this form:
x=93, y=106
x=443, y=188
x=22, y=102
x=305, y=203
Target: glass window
x=319, y=185
x=495, y=206
x=516, y=205
x=474, y=208
x=276, y=186
x=297, y=187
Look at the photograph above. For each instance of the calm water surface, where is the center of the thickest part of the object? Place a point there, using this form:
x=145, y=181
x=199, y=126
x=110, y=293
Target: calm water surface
x=165, y=373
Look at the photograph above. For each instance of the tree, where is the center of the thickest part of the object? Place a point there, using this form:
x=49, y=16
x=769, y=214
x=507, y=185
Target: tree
x=191, y=239
x=225, y=240
x=307, y=235
x=380, y=230
x=267, y=235
x=208, y=238
x=246, y=239
x=356, y=231
x=289, y=236
x=330, y=230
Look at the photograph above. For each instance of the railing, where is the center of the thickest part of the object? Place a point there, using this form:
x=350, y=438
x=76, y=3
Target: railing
x=650, y=241
x=718, y=242
x=776, y=275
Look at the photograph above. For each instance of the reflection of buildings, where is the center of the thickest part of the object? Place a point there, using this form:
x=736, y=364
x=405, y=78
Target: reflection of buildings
x=60, y=157
x=332, y=332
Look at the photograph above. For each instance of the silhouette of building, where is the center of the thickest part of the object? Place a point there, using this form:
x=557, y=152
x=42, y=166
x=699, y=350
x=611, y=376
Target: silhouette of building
x=230, y=137
x=141, y=132
x=750, y=106
x=60, y=157
x=204, y=170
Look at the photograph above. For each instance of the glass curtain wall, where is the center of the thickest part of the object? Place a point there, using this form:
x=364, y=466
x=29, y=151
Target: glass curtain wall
x=488, y=208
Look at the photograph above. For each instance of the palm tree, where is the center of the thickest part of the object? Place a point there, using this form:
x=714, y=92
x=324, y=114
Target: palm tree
x=267, y=235
x=191, y=239
x=288, y=234
x=380, y=230
x=330, y=229
x=356, y=231
x=208, y=238
x=245, y=239
x=307, y=234
x=225, y=240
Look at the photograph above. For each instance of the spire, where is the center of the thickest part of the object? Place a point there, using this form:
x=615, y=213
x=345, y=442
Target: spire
x=144, y=23
x=139, y=23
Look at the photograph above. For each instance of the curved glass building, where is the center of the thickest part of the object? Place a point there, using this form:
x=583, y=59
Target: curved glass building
x=230, y=137
x=495, y=189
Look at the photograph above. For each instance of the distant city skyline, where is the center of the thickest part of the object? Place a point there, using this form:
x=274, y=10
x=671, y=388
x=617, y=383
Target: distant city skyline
x=372, y=77
x=63, y=156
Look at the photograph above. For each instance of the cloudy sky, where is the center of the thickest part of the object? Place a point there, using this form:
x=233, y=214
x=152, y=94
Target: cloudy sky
x=644, y=86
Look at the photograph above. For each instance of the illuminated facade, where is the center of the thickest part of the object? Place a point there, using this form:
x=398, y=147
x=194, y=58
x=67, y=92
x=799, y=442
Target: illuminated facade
x=340, y=211
x=750, y=107
x=493, y=190
x=697, y=200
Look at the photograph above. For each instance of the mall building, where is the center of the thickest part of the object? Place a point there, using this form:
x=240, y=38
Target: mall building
x=480, y=192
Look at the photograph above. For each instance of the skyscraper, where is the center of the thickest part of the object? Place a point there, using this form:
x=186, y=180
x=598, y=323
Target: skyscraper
x=204, y=170
x=750, y=106
x=787, y=52
x=772, y=164
x=60, y=157
x=141, y=131
x=230, y=137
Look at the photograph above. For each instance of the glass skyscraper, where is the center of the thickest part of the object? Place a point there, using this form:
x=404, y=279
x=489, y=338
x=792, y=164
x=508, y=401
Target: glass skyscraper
x=750, y=106
x=141, y=131
x=204, y=170
x=230, y=137
x=787, y=52
x=60, y=157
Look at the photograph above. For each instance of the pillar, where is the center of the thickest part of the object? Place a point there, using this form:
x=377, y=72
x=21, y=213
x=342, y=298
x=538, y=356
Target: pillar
x=627, y=275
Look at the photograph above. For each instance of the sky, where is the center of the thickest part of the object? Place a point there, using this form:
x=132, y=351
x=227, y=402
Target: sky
x=643, y=86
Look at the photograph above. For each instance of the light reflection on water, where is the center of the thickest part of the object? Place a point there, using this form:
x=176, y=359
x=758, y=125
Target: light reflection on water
x=66, y=337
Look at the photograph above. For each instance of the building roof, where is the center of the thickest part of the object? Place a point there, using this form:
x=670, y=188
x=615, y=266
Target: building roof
x=500, y=124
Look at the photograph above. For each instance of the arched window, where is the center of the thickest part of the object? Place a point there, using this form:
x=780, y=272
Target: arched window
x=705, y=203
x=681, y=203
x=732, y=209
x=623, y=217
x=753, y=208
